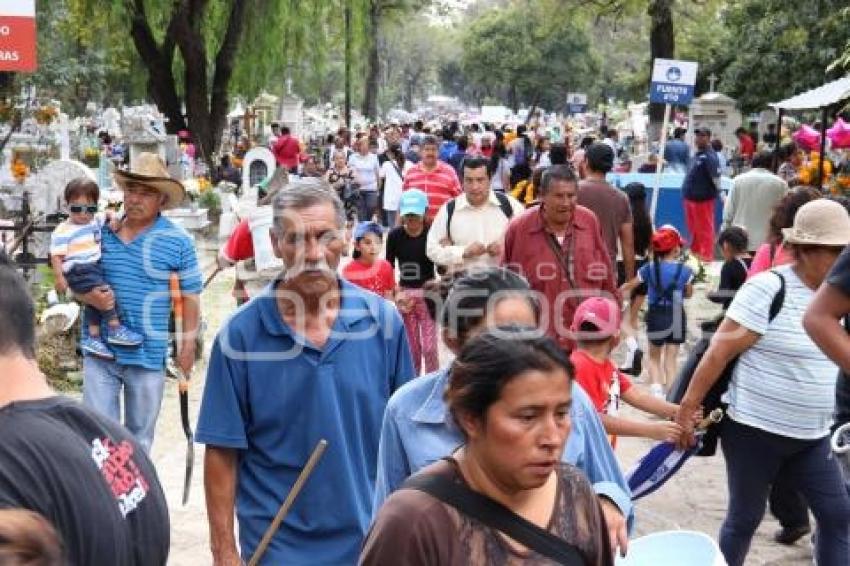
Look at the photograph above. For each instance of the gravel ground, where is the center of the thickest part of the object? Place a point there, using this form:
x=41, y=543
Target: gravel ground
x=695, y=499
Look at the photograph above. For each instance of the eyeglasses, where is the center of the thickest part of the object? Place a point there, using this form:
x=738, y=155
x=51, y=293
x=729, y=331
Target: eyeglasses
x=78, y=208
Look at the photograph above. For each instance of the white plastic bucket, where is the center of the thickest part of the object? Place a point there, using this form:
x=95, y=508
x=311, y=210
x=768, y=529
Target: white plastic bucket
x=226, y=224
x=260, y=221
x=673, y=548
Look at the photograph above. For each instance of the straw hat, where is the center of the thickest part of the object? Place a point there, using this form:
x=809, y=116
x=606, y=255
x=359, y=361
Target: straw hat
x=820, y=222
x=150, y=171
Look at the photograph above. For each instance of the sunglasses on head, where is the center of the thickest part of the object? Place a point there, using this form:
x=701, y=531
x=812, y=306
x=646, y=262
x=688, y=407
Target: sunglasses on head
x=78, y=208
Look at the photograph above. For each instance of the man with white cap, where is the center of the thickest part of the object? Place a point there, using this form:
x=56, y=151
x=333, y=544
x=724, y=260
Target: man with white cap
x=138, y=260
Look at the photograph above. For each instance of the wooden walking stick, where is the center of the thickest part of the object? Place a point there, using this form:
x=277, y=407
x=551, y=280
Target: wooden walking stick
x=287, y=503
x=183, y=383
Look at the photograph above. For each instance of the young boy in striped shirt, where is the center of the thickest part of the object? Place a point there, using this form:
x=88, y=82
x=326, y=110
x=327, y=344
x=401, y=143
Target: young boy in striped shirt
x=75, y=259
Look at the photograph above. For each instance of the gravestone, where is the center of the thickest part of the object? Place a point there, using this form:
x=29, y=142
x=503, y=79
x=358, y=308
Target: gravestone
x=50, y=182
x=257, y=166
x=292, y=114
x=719, y=113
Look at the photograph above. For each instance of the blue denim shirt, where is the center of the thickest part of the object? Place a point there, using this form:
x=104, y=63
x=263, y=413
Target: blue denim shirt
x=418, y=430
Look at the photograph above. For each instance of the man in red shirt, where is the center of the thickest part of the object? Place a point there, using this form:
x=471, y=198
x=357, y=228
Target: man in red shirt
x=746, y=145
x=558, y=246
x=437, y=179
x=287, y=150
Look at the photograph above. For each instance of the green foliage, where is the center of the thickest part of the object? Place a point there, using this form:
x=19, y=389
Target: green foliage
x=777, y=49
x=84, y=55
x=525, y=53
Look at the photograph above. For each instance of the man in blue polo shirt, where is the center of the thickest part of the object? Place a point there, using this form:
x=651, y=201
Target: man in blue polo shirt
x=138, y=260
x=699, y=193
x=311, y=358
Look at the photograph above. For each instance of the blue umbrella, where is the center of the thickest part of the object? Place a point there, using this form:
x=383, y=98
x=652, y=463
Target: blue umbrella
x=664, y=459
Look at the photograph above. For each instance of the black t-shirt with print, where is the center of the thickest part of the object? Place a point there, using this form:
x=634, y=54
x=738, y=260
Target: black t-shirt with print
x=88, y=477
x=839, y=278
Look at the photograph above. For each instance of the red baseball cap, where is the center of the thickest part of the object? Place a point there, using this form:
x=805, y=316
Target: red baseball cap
x=665, y=239
x=601, y=312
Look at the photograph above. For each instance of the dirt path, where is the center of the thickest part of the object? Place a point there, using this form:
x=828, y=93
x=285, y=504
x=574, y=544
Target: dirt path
x=695, y=499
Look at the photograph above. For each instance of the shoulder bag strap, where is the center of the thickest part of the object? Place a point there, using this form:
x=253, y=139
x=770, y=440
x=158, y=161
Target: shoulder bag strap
x=778, y=298
x=505, y=205
x=674, y=283
x=565, y=260
x=497, y=516
x=450, y=211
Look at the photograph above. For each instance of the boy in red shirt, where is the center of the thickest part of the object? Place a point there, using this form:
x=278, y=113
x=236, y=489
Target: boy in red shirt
x=596, y=325
x=366, y=269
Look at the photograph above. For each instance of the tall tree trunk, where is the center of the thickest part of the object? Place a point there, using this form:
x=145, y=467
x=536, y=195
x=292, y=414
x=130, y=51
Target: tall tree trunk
x=158, y=61
x=348, y=61
x=373, y=63
x=662, y=44
x=206, y=104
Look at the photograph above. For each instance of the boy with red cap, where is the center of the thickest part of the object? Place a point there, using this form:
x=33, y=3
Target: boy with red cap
x=596, y=325
x=668, y=283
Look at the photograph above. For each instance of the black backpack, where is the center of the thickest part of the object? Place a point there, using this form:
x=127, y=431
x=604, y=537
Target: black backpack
x=504, y=204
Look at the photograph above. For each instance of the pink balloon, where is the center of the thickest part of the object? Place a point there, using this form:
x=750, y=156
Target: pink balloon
x=807, y=137
x=839, y=134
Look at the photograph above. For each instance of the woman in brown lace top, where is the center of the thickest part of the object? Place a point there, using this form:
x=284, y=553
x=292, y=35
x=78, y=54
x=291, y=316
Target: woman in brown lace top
x=509, y=392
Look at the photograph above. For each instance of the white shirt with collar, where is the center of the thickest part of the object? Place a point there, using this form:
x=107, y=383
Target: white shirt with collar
x=485, y=224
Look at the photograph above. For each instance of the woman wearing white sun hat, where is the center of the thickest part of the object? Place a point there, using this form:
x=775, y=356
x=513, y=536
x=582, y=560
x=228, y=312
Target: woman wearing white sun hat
x=782, y=392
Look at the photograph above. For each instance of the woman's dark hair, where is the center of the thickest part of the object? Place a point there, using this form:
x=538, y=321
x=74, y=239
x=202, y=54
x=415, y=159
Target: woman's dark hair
x=489, y=361
x=82, y=187
x=499, y=152
x=398, y=156
x=28, y=539
x=736, y=237
x=585, y=142
x=462, y=300
x=786, y=209
x=716, y=144
x=641, y=223
x=785, y=151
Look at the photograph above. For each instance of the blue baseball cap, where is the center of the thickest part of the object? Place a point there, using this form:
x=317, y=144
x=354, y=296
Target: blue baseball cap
x=413, y=201
x=364, y=228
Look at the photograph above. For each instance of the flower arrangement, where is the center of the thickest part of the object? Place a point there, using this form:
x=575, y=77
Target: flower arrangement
x=20, y=170
x=810, y=171
x=696, y=265
x=840, y=184
x=45, y=114
x=204, y=184
x=91, y=157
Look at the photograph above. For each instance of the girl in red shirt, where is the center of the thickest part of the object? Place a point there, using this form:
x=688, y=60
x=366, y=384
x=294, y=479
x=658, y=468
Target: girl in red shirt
x=367, y=270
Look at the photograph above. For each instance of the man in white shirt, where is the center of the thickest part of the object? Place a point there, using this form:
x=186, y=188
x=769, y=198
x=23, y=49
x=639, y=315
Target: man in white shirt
x=469, y=229
x=753, y=197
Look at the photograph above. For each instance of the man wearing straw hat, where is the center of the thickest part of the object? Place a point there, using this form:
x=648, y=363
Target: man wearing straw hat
x=311, y=358
x=137, y=261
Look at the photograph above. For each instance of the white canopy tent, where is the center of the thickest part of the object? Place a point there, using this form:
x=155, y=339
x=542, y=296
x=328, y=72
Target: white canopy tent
x=820, y=97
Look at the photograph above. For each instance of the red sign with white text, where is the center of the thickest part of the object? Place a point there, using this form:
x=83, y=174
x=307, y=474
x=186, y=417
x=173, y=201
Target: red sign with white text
x=17, y=35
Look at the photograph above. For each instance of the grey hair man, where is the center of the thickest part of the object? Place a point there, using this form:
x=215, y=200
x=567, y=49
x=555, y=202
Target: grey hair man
x=313, y=357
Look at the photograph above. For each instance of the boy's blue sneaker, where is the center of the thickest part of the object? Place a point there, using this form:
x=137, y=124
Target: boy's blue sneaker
x=122, y=336
x=96, y=348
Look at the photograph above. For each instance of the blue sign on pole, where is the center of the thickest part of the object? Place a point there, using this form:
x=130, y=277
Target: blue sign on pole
x=576, y=103
x=673, y=82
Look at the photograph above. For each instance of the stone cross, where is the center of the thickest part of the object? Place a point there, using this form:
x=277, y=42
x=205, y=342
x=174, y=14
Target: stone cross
x=712, y=78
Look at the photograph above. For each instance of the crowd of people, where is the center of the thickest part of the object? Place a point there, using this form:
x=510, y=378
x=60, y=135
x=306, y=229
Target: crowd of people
x=513, y=252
